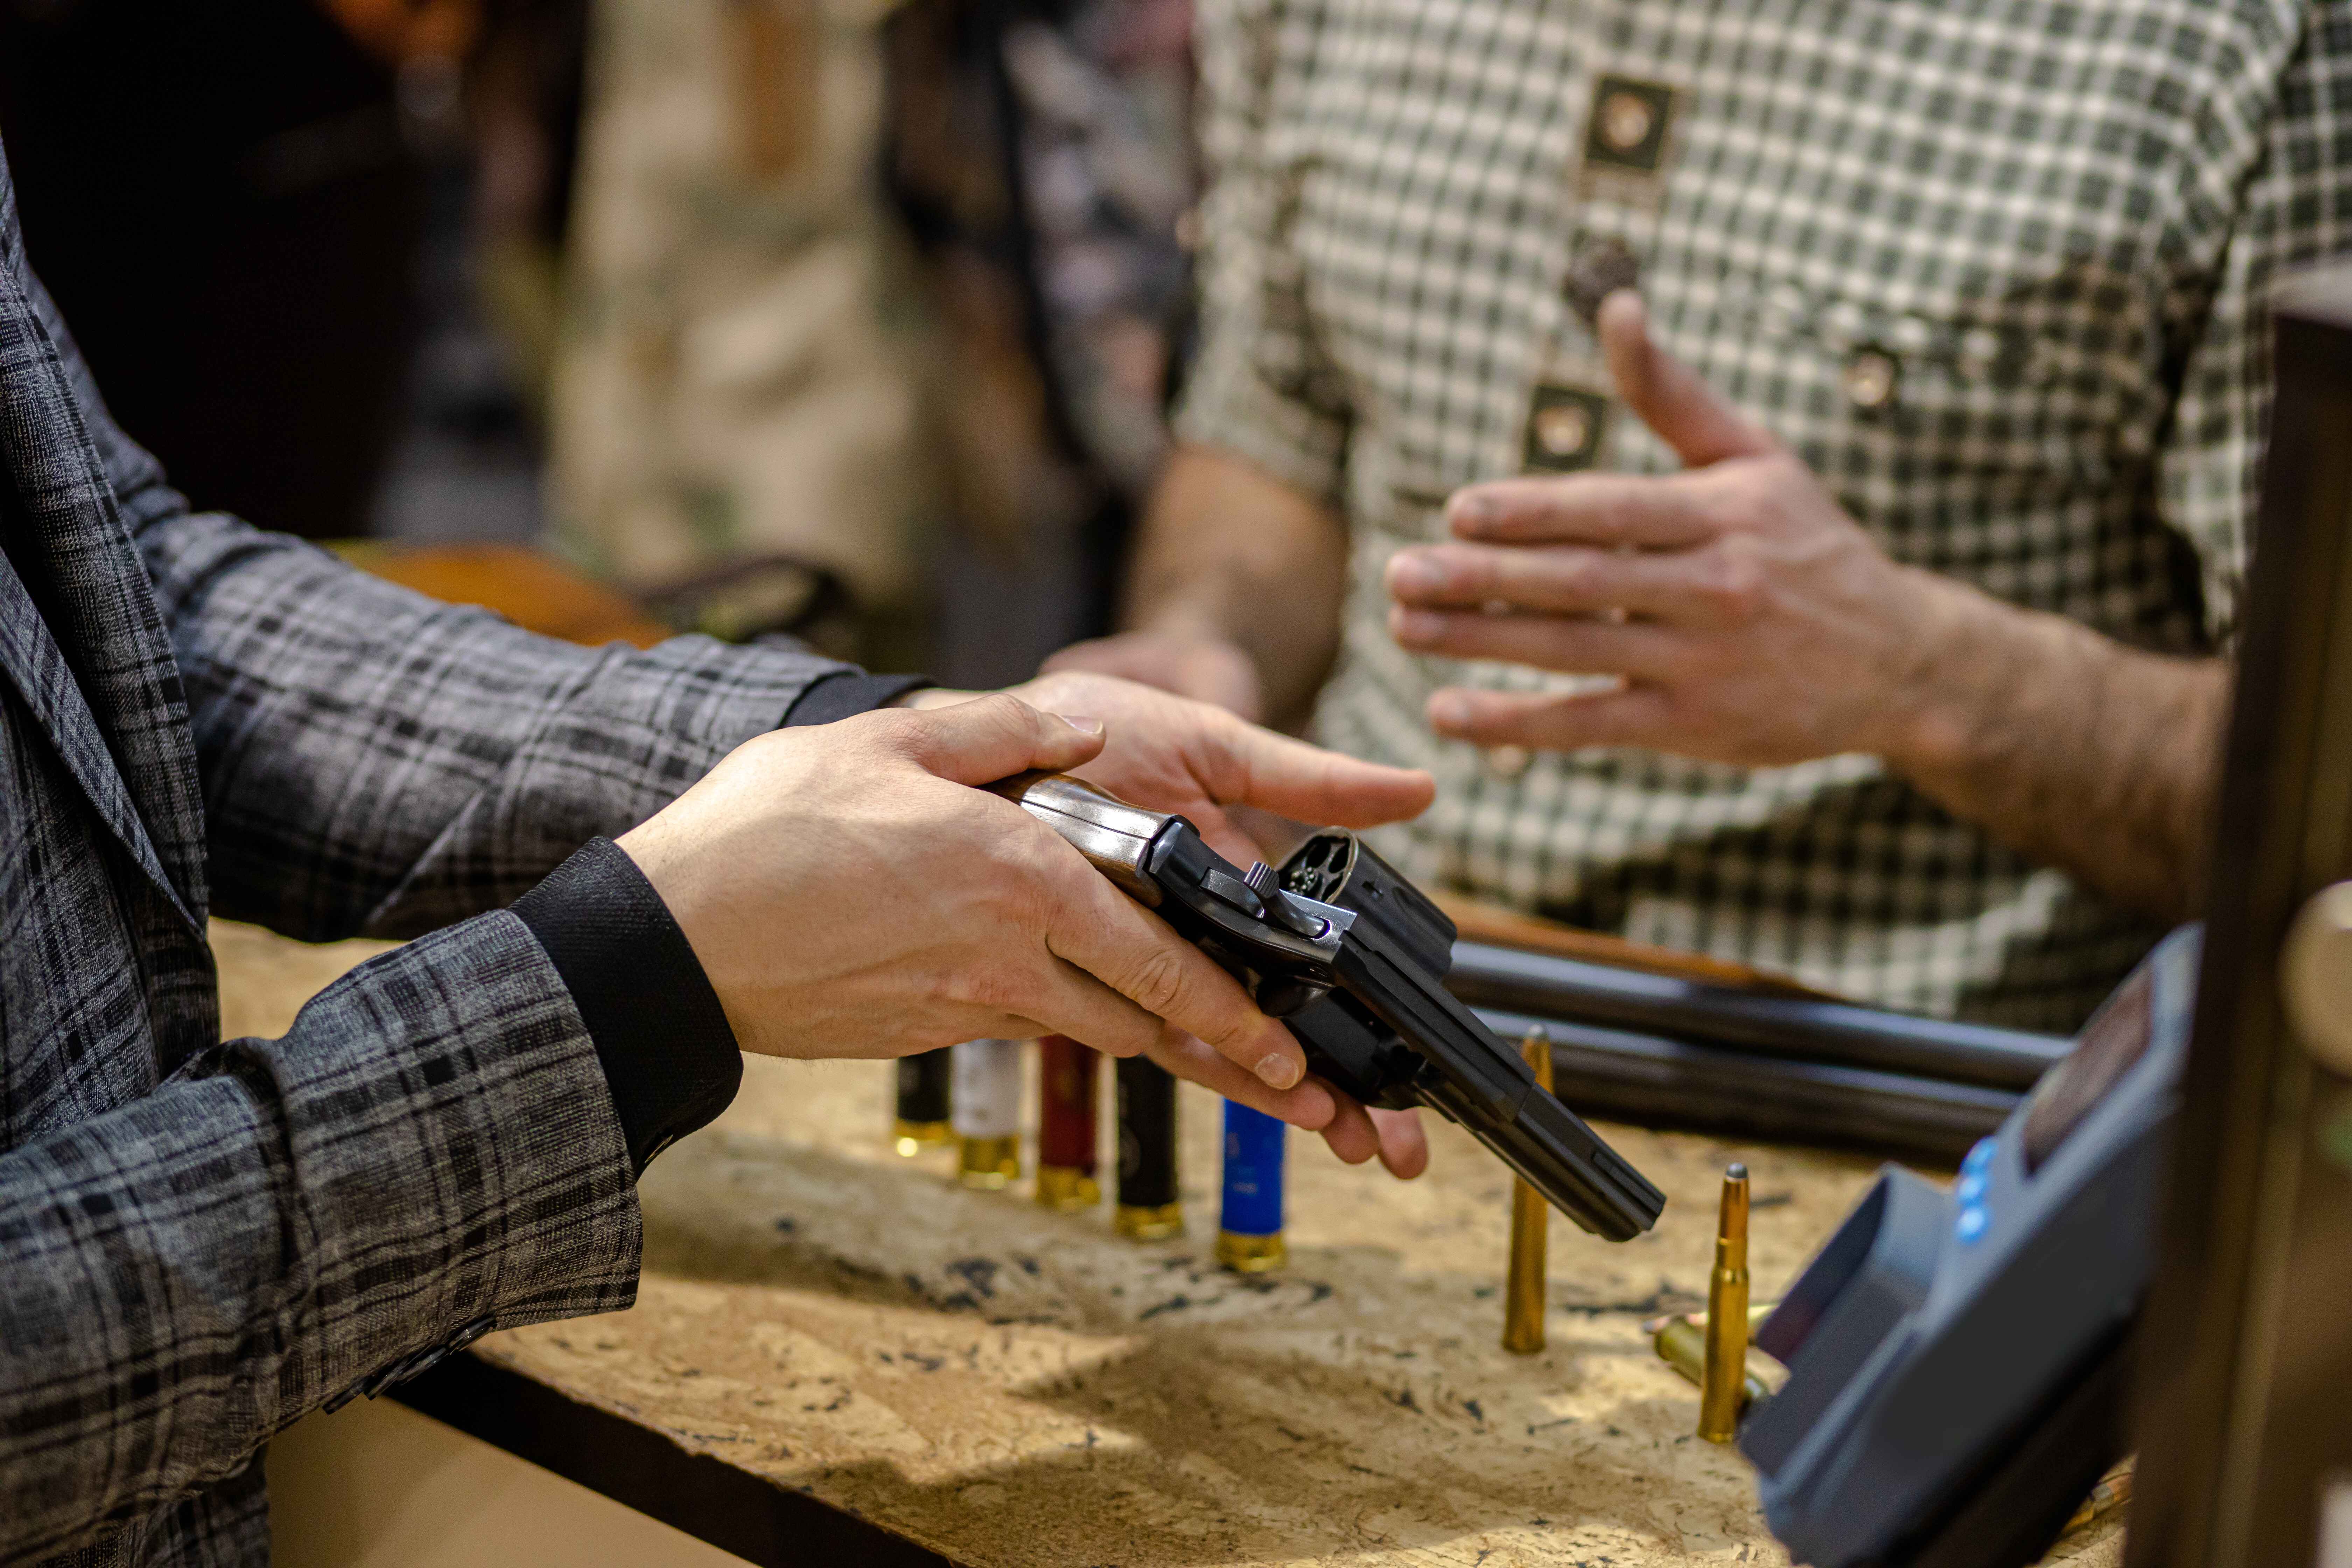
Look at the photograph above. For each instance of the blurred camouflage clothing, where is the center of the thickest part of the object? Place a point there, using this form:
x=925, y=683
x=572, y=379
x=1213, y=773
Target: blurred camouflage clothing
x=736, y=376
x=1042, y=155
x=1108, y=178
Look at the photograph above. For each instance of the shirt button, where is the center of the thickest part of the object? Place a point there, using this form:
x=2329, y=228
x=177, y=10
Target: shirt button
x=1979, y=349
x=1509, y=761
x=1626, y=120
x=1869, y=379
x=1563, y=430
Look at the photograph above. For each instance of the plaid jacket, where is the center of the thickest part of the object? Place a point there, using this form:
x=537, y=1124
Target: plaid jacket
x=202, y=1240
x=1997, y=269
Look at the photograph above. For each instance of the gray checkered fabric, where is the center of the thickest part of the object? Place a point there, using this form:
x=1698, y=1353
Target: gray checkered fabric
x=201, y=1241
x=2052, y=224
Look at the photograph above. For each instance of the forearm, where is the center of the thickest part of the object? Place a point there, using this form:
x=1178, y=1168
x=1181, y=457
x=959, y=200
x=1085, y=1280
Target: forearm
x=2069, y=746
x=429, y=1153
x=373, y=761
x=1230, y=552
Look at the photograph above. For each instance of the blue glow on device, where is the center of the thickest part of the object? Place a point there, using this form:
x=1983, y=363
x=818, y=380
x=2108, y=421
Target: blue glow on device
x=1958, y=1361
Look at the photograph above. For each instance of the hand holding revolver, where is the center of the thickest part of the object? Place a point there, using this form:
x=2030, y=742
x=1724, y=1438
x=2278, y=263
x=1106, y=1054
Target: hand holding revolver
x=850, y=893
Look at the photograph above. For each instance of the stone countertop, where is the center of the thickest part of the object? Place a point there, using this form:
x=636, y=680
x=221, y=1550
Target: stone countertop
x=1010, y=1387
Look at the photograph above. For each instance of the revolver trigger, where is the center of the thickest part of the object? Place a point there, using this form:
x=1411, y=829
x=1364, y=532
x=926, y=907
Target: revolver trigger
x=1280, y=995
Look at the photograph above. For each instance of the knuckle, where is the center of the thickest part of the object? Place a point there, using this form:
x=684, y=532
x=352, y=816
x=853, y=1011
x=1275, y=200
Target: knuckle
x=1157, y=981
x=1033, y=883
x=1733, y=583
x=892, y=732
x=993, y=986
x=1726, y=499
x=1004, y=709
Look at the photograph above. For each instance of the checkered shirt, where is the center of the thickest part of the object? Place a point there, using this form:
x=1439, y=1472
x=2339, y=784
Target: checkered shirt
x=1997, y=270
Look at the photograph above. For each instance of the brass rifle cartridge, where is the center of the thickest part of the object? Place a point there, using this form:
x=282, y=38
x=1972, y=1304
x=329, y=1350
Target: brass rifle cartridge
x=1523, y=1292
x=1726, y=1372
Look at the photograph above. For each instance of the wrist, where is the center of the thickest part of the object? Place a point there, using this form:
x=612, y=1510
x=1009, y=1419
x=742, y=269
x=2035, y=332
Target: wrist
x=1177, y=654
x=1199, y=626
x=657, y=1026
x=1969, y=663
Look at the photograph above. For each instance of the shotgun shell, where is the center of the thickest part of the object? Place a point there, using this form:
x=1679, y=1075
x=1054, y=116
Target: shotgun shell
x=1249, y=1221
x=922, y=1121
x=1149, y=1206
x=1066, y=1124
x=987, y=1118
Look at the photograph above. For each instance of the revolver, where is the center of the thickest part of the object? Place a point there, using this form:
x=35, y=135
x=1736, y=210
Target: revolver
x=1353, y=957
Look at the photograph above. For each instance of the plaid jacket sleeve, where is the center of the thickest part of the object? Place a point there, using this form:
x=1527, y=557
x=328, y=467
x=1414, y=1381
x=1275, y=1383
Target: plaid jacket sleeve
x=2278, y=190
x=376, y=762
x=429, y=1154
x=432, y=1151
x=1263, y=388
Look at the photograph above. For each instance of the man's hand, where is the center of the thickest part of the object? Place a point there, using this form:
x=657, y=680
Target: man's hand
x=850, y=894
x=1170, y=754
x=1750, y=620
x=1234, y=597
x=1203, y=667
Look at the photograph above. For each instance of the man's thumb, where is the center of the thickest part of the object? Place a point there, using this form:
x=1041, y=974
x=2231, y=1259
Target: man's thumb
x=1670, y=396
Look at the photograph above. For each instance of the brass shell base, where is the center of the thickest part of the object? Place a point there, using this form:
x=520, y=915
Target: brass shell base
x=1251, y=1254
x=911, y=1138
x=1066, y=1188
x=991, y=1164
x=1141, y=1224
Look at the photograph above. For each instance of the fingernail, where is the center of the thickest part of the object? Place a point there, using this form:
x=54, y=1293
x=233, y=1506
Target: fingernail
x=1412, y=628
x=1081, y=723
x=1278, y=1071
x=1413, y=574
x=1473, y=513
x=1449, y=710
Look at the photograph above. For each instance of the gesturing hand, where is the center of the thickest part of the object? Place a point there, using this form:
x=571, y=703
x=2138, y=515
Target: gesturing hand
x=1750, y=620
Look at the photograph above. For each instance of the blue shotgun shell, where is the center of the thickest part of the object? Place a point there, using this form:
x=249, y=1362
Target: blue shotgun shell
x=1253, y=1179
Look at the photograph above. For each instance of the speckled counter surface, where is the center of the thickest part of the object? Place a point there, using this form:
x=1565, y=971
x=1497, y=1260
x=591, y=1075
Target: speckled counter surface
x=1013, y=1387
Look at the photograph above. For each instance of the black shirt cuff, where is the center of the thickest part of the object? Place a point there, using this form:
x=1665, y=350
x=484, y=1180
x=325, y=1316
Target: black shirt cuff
x=847, y=693
x=668, y=1053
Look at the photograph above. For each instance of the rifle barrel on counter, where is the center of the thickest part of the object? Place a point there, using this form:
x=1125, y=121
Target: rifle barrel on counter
x=1657, y=1083
x=1799, y=1028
